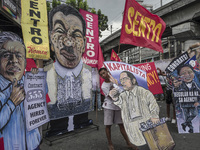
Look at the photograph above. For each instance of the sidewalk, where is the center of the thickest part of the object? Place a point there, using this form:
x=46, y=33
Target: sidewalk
x=96, y=139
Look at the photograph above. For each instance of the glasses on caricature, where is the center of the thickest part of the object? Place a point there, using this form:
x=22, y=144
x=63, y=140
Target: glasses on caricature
x=124, y=79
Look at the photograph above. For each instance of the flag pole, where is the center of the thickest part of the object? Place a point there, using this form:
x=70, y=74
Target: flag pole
x=119, y=49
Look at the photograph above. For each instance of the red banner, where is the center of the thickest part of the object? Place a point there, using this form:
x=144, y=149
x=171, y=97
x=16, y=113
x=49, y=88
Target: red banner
x=90, y=57
x=30, y=63
x=141, y=28
x=114, y=56
x=153, y=81
x=100, y=65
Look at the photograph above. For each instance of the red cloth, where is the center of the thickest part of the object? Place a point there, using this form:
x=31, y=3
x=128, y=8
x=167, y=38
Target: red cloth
x=153, y=80
x=140, y=27
x=101, y=65
x=47, y=98
x=30, y=63
x=114, y=56
x=1, y=144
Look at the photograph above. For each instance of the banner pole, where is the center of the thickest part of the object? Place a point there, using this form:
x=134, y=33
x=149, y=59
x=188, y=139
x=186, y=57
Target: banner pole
x=96, y=105
x=119, y=49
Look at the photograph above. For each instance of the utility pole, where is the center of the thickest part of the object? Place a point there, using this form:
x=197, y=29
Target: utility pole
x=111, y=29
x=160, y=2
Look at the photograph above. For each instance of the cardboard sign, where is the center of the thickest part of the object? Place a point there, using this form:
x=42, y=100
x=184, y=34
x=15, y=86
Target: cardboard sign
x=35, y=102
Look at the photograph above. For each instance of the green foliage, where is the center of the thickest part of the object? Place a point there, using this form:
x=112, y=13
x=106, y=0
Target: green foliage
x=54, y=3
x=48, y=6
x=80, y=4
x=58, y=3
x=85, y=5
x=102, y=22
x=93, y=11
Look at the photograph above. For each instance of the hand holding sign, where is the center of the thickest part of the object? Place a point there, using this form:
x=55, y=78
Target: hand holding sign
x=176, y=82
x=114, y=93
x=113, y=80
x=34, y=70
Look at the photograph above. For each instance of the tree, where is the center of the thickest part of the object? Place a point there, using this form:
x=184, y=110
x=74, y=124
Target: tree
x=80, y=4
x=48, y=6
x=54, y=3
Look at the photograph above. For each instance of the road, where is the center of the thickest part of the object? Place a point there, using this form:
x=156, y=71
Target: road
x=93, y=139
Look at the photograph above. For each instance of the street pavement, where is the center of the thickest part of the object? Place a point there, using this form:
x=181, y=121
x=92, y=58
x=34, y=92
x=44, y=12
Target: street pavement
x=93, y=138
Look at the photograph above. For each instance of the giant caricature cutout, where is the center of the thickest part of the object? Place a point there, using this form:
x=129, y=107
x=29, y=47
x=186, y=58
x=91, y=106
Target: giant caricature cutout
x=137, y=103
x=69, y=79
x=12, y=117
x=186, y=92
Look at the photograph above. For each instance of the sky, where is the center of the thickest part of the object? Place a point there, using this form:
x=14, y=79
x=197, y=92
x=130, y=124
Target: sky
x=114, y=9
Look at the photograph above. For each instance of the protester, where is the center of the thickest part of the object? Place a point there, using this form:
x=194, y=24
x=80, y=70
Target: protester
x=137, y=105
x=169, y=100
x=96, y=95
x=162, y=80
x=112, y=113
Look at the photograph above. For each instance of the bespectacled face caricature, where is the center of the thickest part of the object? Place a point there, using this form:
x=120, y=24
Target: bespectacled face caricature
x=126, y=81
x=12, y=60
x=67, y=39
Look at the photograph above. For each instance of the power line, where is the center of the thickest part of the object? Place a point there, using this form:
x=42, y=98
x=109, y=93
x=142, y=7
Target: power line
x=117, y=16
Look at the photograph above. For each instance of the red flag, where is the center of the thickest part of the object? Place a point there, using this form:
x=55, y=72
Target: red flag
x=30, y=63
x=100, y=65
x=114, y=56
x=100, y=59
x=140, y=27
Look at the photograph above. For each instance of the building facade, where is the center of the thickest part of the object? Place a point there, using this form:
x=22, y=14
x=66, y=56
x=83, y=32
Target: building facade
x=10, y=16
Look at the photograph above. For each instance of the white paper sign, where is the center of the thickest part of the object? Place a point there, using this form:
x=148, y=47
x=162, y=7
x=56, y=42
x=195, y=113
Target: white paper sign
x=35, y=102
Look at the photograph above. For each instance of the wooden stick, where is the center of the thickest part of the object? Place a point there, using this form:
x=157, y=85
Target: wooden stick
x=39, y=63
x=96, y=106
x=119, y=49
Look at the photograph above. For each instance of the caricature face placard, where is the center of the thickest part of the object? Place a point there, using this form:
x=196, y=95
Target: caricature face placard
x=12, y=114
x=116, y=68
x=69, y=80
x=135, y=100
x=12, y=51
x=184, y=79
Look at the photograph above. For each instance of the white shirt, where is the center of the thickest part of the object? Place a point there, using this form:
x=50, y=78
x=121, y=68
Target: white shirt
x=63, y=71
x=108, y=102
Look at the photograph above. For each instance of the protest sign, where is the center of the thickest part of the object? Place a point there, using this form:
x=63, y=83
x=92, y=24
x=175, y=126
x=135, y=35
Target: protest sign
x=115, y=68
x=35, y=102
x=186, y=92
x=35, y=29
